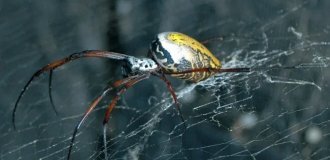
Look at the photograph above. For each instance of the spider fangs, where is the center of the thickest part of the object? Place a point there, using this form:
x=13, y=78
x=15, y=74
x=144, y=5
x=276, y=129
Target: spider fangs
x=171, y=53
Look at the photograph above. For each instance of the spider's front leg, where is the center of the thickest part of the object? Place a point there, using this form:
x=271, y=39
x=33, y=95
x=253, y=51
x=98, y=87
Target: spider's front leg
x=52, y=66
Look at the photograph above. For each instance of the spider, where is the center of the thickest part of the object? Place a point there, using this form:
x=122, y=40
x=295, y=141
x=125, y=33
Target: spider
x=171, y=53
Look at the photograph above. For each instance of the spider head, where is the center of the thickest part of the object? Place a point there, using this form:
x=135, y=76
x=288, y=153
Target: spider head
x=134, y=66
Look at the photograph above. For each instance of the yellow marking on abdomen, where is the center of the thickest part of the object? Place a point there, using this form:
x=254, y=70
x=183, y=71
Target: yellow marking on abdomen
x=182, y=39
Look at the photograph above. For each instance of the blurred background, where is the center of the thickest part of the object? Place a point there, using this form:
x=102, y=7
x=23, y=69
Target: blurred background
x=268, y=114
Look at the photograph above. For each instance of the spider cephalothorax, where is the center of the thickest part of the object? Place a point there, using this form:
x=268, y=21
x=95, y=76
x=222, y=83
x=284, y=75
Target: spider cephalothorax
x=133, y=66
x=171, y=53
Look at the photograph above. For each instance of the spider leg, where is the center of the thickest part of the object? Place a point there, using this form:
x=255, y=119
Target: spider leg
x=60, y=62
x=212, y=70
x=50, y=91
x=231, y=69
x=90, y=108
x=93, y=105
x=171, y=90
x=127, y=85
x=113, y=104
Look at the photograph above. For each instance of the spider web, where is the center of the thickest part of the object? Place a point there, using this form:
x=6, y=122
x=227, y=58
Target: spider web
x=269, y=113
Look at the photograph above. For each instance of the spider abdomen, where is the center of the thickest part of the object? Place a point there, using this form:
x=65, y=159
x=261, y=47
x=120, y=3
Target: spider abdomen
x=177, y=52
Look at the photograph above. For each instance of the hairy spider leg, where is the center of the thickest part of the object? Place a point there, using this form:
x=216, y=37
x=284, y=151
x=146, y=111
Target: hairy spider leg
x=50, y=91
x=171, y=90
x=113, y=103
x=60, y=62
x=93, y=105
